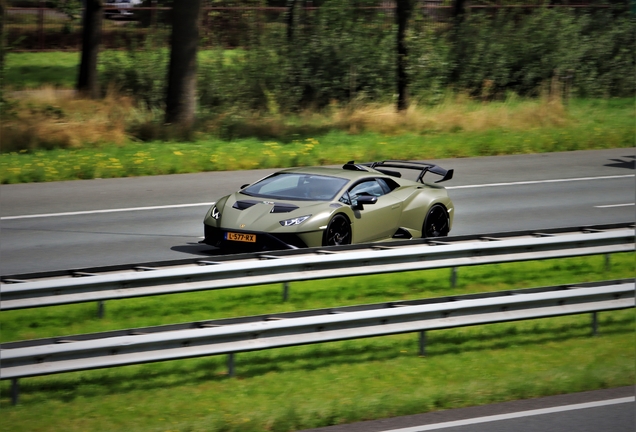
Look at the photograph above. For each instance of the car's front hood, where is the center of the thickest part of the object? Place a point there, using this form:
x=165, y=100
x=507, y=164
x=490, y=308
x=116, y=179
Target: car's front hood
x=257, y=214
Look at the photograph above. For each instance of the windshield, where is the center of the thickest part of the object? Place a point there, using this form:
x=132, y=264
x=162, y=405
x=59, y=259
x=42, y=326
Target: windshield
x=297, y=186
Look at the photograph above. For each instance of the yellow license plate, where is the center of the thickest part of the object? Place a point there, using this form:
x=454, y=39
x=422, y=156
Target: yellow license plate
x=250, y=238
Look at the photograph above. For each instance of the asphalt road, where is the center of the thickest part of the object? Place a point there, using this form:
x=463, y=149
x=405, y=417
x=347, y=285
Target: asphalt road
x=78, y=224
x=610, y=410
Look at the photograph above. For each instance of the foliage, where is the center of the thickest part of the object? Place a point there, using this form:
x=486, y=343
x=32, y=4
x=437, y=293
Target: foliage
x=342, y=54
x=140, y=73
x=3, y=14
x=607, y=58
x=335, y=55
x=85, y=130
x=72, y=8
x=339, y=54
x=521, y=52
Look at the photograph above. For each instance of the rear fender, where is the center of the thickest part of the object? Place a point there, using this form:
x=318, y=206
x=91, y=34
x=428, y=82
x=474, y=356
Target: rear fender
x=416, y=208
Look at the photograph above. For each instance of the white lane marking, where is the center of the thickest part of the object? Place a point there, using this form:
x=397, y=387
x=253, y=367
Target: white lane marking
x=514, y=415
x=208, y=204
x=530, y=182
x=104, y=211
x=615, y=205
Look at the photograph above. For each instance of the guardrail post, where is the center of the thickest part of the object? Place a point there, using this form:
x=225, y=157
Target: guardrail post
x=230, y=364
x=285, y=291
x=594, y=323
x=608, y=263
x=15, y=391
x=422, y=343
x=453, y=278
x=100, y=309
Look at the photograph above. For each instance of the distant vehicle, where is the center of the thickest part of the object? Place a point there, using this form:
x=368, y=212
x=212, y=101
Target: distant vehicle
x=120, y=8
x=320, y=206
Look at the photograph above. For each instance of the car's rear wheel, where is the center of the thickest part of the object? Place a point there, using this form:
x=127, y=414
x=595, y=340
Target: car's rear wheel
x=436, y=222
x=338, y=232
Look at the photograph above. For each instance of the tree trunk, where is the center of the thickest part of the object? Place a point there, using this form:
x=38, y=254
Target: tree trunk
x=403, y=12
x=87, y=83
x=291, y=5
x=3, y=11
x=457, y=45
x=182, y=73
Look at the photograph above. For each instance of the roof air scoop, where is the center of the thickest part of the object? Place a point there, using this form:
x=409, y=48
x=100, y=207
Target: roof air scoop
x=352, y=166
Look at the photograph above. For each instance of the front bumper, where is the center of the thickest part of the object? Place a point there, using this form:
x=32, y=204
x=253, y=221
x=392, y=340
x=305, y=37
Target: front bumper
x=264, y=241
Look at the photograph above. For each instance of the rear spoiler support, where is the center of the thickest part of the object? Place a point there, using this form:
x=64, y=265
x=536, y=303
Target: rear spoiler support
x=423, y=167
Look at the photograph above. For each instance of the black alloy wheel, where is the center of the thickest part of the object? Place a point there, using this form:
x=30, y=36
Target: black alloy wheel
x=338, y=232
x=436, y=222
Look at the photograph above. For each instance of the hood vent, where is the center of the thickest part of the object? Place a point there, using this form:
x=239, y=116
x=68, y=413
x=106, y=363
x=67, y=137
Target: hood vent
x=283, y=208
x=277, y=208
x=242, y=205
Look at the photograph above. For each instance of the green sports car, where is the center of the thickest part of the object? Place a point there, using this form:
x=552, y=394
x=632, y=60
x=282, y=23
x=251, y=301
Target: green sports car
x=320, y=206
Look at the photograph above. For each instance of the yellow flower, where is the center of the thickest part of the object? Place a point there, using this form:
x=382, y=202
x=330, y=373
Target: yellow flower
x=178, y=153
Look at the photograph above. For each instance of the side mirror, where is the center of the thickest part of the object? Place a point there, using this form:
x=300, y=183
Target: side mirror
x=245, y=185
x=363, y=200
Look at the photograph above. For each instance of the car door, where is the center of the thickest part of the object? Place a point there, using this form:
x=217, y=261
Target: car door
x=373, y=221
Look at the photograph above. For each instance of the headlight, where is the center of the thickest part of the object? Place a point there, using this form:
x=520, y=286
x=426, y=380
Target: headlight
x=215, y=213
x=294, y=221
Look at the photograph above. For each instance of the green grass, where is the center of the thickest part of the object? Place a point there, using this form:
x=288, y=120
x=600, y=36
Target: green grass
x=597, y=125
x=157, y=310
x=59, y=69
x=48, y=136
x=33, y=70
x=330, y=383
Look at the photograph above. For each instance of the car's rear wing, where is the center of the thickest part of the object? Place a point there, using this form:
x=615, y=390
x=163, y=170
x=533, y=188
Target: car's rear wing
x=423, y=167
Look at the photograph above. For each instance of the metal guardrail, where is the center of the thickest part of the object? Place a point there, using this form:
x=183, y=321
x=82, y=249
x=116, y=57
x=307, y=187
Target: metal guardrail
x=321, y=263
x=76, y=353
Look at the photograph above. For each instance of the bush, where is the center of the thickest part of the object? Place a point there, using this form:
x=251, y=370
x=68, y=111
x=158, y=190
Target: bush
x=339, y=54
x=520, y=52
x=333, y=56
x=137, y=73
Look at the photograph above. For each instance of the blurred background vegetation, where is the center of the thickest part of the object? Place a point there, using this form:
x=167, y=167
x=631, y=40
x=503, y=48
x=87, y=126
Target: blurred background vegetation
x=286, y=71
x=290, y=58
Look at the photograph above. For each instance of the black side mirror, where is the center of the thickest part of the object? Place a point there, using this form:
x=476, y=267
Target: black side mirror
x=245, y=185
x=363, y=200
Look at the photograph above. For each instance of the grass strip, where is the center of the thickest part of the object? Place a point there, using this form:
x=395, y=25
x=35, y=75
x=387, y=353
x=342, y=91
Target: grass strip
x=332, y=383
x=333, y=147
x=49, y=135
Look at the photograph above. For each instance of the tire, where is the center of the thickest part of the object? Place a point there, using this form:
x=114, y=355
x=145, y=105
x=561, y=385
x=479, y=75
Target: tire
x=338, y=232
x=436, y=223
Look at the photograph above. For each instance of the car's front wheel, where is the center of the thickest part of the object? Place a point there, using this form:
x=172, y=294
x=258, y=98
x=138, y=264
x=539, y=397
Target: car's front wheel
x=338, y=232
x=436, y=222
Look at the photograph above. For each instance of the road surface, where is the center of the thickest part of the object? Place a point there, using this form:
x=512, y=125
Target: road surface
x=87, y=223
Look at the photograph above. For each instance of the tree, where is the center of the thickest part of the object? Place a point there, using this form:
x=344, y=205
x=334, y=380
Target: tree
x=458, y=12
x=87, y=84
x=72, y=8
x=182, y=71
x=291, y=4
x=3, y=12
x=403, y=13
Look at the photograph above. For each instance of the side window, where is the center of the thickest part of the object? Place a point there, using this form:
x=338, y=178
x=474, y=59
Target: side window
x=388, y=184
x=367, y=187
